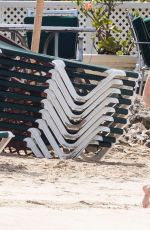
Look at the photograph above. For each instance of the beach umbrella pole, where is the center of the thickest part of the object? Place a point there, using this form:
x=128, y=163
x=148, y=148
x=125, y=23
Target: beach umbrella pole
x=37, y=26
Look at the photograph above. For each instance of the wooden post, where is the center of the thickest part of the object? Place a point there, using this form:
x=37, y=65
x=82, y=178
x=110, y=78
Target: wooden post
x=37, y=26
x=37, y=29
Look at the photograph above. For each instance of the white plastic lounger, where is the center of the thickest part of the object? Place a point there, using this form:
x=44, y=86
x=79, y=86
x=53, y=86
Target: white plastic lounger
x=36, y=135
x=56, y=147
x=60, y=116
x=59, y=130
x=30, y=142
x=60, y=67
x=6, y=137
x=86, y=108
x=80, y=129
x=81, y=134
x=70, y=99
x=64, y=110
x=44, y=127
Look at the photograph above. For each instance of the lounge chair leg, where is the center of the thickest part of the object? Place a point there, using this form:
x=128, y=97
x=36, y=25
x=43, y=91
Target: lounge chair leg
x=4, y=142
x=32, y=145
x=36, y=135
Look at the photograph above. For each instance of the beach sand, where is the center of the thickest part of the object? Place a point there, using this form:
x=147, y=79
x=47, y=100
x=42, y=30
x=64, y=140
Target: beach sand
x=53, y=194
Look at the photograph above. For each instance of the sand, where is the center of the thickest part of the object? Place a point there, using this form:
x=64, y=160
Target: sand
x=74, y=194
x=53, y=194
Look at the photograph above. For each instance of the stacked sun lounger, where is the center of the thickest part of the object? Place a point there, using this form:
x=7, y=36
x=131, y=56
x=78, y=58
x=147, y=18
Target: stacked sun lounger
x=61, y=108
x=5, y=138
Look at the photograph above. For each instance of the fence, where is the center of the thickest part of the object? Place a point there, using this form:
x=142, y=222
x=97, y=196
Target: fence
x=16, y=11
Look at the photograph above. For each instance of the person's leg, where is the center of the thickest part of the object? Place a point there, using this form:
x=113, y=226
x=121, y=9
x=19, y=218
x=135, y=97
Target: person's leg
x=146, y=92
x=146, y=99
x=146, y=198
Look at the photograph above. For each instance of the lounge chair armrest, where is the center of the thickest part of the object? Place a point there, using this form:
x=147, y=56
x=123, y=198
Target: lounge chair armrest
x=142, y=42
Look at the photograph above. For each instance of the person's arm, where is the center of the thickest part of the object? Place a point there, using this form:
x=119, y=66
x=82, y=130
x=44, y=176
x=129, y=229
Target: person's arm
x=146, y=92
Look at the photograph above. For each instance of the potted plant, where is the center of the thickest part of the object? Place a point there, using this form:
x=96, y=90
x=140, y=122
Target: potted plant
x=106, y=40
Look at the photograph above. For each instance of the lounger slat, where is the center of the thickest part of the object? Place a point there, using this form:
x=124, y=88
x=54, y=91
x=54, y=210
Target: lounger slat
x=25, y=64
x=88, y=76
x=10, y=126
x=21, y=117
x=20, y=96
x=28, y=87
x=31, y=77
x=21, y=107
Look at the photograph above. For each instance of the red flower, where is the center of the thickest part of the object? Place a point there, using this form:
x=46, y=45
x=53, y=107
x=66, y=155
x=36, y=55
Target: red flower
x=88, y=6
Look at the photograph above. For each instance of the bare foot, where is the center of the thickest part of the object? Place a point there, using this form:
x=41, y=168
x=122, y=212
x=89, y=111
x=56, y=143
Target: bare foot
x=146, y=198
